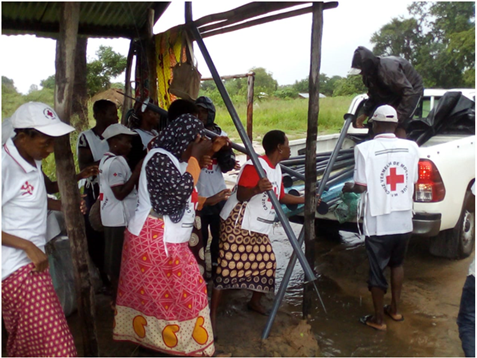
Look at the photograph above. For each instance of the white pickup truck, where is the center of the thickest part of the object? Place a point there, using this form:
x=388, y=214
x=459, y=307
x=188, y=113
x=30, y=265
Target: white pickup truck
x=443, y=201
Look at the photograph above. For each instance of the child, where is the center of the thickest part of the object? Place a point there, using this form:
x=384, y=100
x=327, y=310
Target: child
x=118, y=196
x=31, y=310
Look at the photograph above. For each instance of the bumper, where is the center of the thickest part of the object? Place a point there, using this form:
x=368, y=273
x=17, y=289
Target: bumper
x=426, y=224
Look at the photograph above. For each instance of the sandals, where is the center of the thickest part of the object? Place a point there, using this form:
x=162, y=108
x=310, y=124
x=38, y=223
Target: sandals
x=395, y=317
x=366, y=320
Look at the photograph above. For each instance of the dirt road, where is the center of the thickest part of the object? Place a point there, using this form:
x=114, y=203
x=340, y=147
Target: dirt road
x=431, y=297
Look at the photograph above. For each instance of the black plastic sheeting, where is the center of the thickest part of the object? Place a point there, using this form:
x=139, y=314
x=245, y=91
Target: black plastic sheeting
x=454, y=114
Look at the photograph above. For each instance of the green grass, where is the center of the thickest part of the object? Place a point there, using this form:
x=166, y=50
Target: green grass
x=290, y=116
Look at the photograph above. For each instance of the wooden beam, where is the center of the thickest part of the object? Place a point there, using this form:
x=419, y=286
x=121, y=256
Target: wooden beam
x=246, y=11
x=265, y=20
x=127, y=104
x=65, y=74
x=310, y=161
x=80, y=91
x=230, y=77
x=151, y=55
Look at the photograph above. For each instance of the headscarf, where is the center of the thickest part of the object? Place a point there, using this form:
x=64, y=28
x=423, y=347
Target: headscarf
x=175, y=138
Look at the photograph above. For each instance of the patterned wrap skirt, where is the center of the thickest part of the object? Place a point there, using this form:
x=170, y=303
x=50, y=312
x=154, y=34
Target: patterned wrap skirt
x=33, y=316
x=162, y=299
x=246, y=258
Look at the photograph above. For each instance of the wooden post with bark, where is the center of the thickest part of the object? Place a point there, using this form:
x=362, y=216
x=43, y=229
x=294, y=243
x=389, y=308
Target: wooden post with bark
x=65, y=76
x=127, y=104
x=310, y=161
x=80, y=91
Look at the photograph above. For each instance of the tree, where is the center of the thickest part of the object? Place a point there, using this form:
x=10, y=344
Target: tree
x=48, y=83
x=99, y=72
x=349, y=86
x=438, y=39
x=33, y=88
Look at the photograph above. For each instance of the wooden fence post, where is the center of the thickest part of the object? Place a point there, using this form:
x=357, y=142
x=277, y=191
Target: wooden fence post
x=250, y=92
x=65, y=75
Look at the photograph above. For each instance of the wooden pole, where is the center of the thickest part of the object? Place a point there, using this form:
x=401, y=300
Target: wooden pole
x=65, y=169
x=310, y=162
x=80, y=92
x=151, y=55
x=251, y=85
x=127, y=104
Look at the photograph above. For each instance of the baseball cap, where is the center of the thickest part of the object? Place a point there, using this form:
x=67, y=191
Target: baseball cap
x=385, y=113
x=116, y=129
x=354, y=71
x=41, y=117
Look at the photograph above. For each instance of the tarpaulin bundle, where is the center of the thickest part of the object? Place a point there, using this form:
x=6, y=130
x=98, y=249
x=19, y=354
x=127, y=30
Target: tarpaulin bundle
x=454, y=113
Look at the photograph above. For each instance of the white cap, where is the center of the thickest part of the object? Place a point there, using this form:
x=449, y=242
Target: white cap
x=116, y=129
x=385, y=113
x=41, y=117
x=354, y=71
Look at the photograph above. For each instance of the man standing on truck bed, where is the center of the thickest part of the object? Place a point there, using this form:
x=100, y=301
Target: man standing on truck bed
x=390, y=80
x=386, y=169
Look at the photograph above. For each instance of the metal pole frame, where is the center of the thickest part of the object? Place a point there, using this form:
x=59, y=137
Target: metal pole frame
x=248, y=144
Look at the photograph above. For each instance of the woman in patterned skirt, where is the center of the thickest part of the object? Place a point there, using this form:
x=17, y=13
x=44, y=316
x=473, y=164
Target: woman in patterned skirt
x=246, y=258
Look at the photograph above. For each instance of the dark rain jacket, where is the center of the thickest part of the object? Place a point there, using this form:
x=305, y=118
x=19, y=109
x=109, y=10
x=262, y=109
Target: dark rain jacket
x=390, y=80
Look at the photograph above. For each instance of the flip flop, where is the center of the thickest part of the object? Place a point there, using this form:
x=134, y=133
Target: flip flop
x=395, y=317
x=366, y=321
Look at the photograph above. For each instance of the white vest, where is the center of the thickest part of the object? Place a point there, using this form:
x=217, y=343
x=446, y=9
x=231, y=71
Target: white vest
x=211, y=180
x=114, y=212
x=146, y=137
x=259, y=214
x=391, y=171
x=179, y=232
x=97, y=146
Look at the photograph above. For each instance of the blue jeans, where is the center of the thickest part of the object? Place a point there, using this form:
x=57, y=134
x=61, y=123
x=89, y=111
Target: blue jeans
x=466, y=317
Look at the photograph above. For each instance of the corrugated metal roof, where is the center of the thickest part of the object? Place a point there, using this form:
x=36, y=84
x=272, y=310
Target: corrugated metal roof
x=97, y=19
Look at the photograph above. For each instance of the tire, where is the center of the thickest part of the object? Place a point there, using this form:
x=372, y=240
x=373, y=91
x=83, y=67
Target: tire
x=457, y=243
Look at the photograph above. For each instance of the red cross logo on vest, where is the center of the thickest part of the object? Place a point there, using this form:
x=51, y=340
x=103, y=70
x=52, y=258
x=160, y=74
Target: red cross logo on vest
x=195, y=198
x=28, y=188
x=393, y=179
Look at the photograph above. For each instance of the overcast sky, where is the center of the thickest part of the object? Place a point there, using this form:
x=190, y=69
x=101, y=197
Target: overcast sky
x=281, y=47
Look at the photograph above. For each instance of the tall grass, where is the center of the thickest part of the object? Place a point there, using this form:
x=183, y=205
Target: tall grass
x=288, y=115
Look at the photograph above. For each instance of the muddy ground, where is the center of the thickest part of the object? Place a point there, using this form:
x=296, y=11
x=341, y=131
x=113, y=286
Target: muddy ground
x=431, y=297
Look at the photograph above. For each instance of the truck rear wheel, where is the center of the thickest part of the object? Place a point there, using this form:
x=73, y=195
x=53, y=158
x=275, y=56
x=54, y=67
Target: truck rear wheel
x=457, y=243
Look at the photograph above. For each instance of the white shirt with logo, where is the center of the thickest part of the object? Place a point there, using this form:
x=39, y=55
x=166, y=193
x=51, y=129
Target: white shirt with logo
x=259, y=214
x=24, y=206
x=211, y=180
x=176, y=233
x=388, y=167
x=115, y=171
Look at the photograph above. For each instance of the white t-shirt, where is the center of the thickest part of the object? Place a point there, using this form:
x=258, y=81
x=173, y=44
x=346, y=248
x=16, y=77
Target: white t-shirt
x=387, y=166
x=24, y=206
x=211, y=180
x=115, y=171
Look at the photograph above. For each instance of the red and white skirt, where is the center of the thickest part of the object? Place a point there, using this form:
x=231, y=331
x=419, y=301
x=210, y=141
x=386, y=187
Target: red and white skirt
x=162, y=299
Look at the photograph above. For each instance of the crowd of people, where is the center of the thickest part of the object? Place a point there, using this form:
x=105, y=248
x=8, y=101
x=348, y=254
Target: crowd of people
x=161, y=196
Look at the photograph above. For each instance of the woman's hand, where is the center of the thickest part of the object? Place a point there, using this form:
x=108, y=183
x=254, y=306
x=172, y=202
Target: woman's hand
x=38, y=257
x=219, y=142
x=205, y=161
x=92, y=170
x=360, y=121
x=217, y=198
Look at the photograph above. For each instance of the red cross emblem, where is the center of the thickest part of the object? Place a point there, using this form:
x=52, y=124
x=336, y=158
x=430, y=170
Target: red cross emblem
x=49, y=113
x=115, y=174
x=195, y=198
x=211, y=166
x=393, y=179
x=28, y=188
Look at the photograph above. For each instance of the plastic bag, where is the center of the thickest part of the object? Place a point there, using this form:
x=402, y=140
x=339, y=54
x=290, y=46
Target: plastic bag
x=348, y=208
